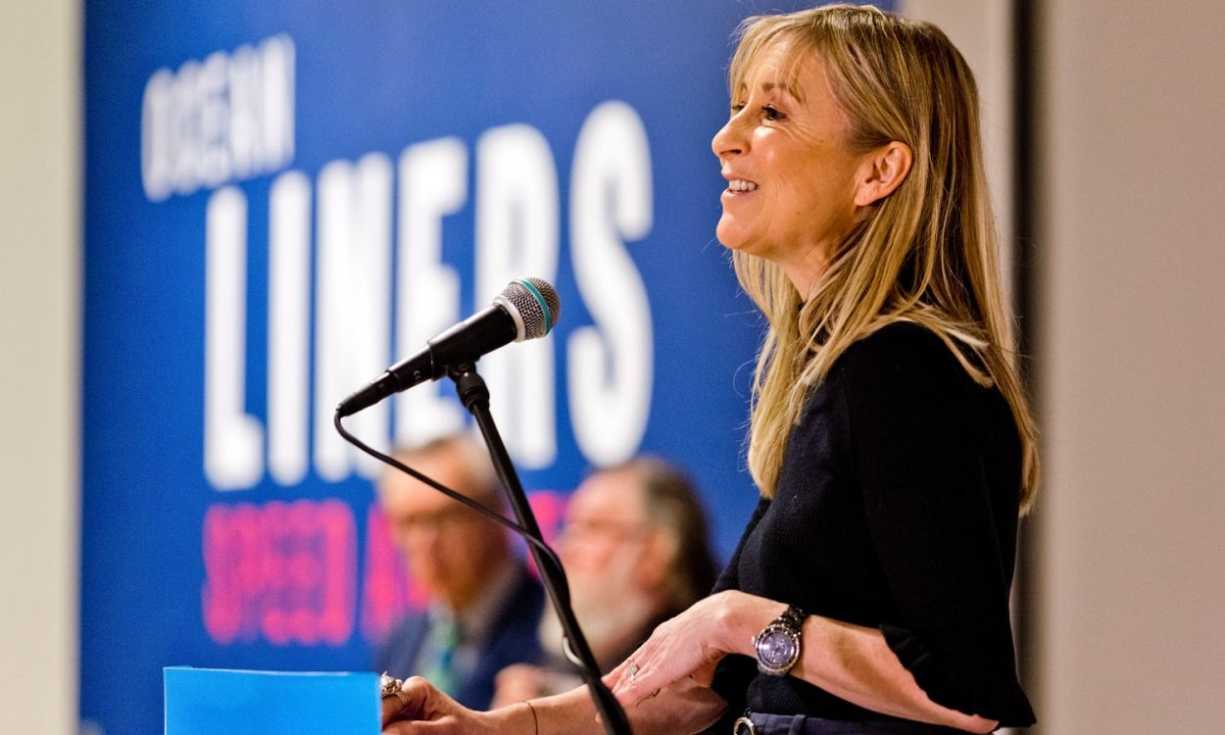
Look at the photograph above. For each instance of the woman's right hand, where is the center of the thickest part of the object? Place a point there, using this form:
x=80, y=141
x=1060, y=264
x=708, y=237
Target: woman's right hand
x=419, y=703
x=687, y=706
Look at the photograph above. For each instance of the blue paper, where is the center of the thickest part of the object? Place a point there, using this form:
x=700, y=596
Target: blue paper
x=219, y=701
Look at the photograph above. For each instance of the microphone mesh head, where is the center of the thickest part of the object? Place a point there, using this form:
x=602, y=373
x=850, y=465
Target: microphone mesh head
x=536, y=303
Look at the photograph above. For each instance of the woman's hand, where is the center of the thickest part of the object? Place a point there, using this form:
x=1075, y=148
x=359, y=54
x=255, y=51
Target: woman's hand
x=420, y=708
x=687, y=706
x=687, y=646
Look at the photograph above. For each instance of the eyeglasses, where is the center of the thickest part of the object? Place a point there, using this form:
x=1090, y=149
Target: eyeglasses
x=590, y=529
x=444, y=519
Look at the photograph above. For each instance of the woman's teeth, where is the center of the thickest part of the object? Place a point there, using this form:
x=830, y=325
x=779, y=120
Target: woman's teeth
x=741, y=185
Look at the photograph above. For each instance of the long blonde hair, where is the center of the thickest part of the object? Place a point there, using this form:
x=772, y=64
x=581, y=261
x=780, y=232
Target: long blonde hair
x=926, y=254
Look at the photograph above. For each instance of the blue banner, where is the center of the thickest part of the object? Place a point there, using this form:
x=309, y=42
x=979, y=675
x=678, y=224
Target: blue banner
x=283, y=198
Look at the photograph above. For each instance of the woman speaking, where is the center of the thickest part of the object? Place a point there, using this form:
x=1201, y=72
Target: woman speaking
x=890, y=439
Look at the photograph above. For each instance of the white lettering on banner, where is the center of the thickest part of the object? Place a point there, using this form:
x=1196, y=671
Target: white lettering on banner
x=516, y=235
x=609, y=370
x=288, y=327
x=233, y=441
x=517, y=218
x=353, y=292
x=433, y=184
x=208, y=123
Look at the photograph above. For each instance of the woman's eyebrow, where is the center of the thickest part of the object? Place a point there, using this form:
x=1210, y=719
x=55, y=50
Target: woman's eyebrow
x=791, y=90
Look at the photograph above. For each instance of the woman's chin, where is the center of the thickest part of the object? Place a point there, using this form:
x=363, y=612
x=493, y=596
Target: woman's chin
x=730, y=236
x=736, y=241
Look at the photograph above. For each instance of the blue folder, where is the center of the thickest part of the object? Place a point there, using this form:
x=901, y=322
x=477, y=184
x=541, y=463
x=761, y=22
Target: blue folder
x=225, y=702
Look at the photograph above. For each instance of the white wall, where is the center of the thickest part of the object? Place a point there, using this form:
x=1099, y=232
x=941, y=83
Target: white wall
x=1132, y=367
x=982, y=31
x=39, y=293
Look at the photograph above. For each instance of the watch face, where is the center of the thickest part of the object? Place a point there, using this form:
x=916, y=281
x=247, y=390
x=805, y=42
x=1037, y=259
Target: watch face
x=777, y=648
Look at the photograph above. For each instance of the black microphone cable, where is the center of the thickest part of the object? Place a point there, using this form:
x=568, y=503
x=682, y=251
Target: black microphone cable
x=528, y=309
x=492, y=515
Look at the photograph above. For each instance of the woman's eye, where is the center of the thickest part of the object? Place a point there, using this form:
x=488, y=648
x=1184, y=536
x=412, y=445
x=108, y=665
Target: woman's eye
x=769, y=112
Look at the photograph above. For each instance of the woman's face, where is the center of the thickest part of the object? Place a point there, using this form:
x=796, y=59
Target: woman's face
x=790, y=172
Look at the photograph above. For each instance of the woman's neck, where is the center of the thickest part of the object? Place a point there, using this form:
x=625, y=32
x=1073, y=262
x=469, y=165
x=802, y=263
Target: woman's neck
x=805, y=269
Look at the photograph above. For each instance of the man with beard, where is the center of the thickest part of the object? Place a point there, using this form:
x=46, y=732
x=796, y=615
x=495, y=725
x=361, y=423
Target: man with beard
x=636, y=551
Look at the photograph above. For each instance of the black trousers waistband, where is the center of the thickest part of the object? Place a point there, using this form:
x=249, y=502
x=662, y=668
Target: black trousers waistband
x=759, y=723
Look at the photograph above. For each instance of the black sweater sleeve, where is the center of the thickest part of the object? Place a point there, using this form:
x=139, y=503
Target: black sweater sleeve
x=939, y=519
x=733, y=674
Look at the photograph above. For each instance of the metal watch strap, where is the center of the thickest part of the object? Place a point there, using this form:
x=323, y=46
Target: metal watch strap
x=792, y=617
x=779, y=644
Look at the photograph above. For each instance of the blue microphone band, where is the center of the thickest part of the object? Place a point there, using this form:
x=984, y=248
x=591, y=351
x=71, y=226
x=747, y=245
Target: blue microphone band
x=544, y=306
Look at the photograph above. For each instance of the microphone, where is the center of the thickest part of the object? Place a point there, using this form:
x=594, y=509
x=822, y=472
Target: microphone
x=526, y=309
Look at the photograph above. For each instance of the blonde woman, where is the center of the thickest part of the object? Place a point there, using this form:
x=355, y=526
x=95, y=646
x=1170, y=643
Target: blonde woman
x=890, y=439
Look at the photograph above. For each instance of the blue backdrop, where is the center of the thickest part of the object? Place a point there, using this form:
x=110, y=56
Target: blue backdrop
x=280, y=199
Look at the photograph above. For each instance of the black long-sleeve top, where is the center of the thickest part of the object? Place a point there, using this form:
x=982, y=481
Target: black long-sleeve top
x=896, y=508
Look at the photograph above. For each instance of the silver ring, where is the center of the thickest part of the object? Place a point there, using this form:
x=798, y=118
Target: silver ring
x=390, y=686
x=632, y=670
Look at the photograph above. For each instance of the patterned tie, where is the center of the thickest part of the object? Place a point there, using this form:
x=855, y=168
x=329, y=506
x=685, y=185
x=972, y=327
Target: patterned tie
x=440, y=649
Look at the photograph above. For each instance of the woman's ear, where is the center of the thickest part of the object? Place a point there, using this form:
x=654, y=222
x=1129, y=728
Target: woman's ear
x=882, y=171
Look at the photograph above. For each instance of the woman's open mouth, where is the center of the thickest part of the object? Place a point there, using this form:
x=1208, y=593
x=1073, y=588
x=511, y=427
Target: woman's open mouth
x=740, y=187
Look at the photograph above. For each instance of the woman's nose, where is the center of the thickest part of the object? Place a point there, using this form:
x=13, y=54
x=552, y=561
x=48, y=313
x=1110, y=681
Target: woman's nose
x=729, y=139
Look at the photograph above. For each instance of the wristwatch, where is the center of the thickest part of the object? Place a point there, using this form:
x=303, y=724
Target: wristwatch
x=778, y=644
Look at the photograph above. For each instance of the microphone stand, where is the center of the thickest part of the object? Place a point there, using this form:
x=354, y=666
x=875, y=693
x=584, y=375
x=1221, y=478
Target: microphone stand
x=474, y=394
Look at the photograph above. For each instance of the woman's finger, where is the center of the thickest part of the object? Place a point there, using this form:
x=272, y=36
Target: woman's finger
x=394, y=704
x=391, y=707
x=416, y=694
x=411, y=702
x=633, y=690
x=613, y=678
x=631, y=668
x=628, y=674
x=662, y=670
x=445, y=726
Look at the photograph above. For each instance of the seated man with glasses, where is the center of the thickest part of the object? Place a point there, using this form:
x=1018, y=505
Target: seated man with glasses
x=636, y=550
x=483, y=605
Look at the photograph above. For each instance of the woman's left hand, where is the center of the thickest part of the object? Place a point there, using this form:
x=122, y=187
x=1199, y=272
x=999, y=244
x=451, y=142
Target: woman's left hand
x=688, y=645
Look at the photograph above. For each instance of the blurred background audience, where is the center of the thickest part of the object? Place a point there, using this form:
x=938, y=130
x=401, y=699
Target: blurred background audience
x=636, y=550
x=483, y=604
